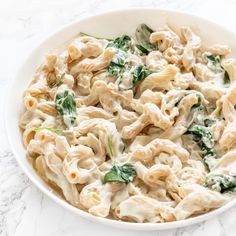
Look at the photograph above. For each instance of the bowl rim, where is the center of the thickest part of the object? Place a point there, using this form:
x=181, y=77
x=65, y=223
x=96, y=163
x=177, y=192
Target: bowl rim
x=62, y=202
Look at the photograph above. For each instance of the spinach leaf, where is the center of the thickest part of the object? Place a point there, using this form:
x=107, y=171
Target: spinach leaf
x=55, y=130
x=118, y=64
x=221, y=182
x=209, y=122
x=214, y=63
x=110, y=147
x=115, y=69
x=142, y=35
x=210, y=161
x=205, y=141
x=226, y=78
x=124, y=43
x=215, y=60
x=204, y=138
x=177, y=100
x=124, y=174
x=140, y=73
x=66, y=106
x=57, y=81
x=142, y=49
x=199, y=102
x=84, y=34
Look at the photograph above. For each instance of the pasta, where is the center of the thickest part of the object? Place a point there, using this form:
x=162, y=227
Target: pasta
x=135, y=129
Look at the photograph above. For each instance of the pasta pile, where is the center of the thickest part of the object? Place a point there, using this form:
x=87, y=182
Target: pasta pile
x=139, y=129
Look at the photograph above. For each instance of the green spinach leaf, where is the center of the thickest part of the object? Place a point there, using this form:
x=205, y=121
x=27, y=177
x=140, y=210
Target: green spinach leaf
x=142, y=35
x=57, y=81
x=142, y=49
x=110, y=147
x=203, y=137
x=55, y=130
x=124, y=43
x=84, y=34
x=140, y=73
x=205, y=141
x=199, y=102
x=215, y=60
x=214, y=63
x=66, y=106
x=221, y=182
x=226, y=77
x=209, y=122
x=125, y=174
x=118, y=64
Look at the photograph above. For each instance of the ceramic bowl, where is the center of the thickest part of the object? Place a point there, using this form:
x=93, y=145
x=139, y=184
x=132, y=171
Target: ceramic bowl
x=107, y=25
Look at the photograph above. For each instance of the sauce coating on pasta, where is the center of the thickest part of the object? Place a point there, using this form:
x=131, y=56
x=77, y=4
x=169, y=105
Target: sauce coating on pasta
x=139, y=129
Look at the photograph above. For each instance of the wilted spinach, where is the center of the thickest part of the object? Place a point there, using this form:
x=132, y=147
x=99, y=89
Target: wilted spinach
x=118, y=64
x=55, y=130
x=203, y=137
x=214, y=63
x=124, y=174
x=221, y=182
x=209, y=122
x=142, y=35
x=123, y=43
x=66, y=106
x=57, y=81
x=199, y=102
x=205, y=141
x=140, y=73
x=84, y=34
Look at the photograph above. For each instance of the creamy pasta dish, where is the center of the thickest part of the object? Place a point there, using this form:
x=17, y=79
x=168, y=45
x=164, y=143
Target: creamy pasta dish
x=139, y=129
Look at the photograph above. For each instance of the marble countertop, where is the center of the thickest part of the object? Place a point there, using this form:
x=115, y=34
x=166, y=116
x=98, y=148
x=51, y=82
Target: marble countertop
x=24, y=210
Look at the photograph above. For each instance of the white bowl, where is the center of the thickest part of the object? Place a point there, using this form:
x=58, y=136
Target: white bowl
x=109, y=25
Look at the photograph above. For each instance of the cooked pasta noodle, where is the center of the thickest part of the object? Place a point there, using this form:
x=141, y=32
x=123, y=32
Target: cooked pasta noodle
x=136, y=129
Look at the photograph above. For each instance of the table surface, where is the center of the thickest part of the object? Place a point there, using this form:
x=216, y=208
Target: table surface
x=24, y=210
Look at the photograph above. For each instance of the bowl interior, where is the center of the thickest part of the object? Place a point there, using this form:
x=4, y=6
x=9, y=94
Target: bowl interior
x=109, y=25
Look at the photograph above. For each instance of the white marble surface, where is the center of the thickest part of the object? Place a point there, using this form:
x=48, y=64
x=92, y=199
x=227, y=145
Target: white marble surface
x=24, y=210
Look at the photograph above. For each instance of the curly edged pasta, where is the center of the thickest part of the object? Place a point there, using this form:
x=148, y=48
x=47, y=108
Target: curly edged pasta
x=135, y=129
